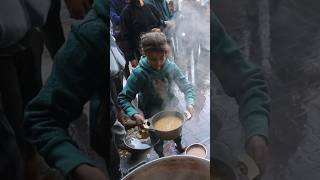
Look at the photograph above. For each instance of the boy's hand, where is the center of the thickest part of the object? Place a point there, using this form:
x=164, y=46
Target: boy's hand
x=139, y=119
x=258, y=149
x=87, y=172
x=134, y=63
x=190, y=111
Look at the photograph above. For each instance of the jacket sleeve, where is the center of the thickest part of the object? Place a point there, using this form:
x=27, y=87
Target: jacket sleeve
x=184, y=85
x=75, y=76
x=131, y=89
x=241, y=80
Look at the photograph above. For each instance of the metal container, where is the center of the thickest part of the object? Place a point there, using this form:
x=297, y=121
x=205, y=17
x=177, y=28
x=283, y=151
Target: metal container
x=196, y=145
x=172, y=167
x=166, y=135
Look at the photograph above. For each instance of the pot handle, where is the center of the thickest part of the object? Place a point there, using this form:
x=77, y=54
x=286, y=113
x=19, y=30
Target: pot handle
x=147, y=125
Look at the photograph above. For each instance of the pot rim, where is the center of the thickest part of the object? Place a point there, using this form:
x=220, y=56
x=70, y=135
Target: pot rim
x=167, y=158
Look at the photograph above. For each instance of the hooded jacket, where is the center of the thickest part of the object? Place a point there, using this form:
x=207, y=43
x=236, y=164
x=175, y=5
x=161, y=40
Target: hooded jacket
x=78, y=74
x=155, y=87
x=242, y=80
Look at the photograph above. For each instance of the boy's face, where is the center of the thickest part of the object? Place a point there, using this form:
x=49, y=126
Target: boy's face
x=156, y=58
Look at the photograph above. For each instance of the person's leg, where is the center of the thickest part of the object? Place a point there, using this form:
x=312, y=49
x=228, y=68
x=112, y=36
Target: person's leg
x=11, y=164
x=52, y=30
x=29, y=66
x=12, y=101
x=11, y=95
x=159, y=146
x=179, y=146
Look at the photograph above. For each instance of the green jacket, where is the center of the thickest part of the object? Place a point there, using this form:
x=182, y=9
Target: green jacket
x=78, y=74
x=241, y=80
x=155, y=87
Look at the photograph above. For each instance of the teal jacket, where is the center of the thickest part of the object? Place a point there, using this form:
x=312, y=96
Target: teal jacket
x=78, y=74
x=241, y=80
x=155, y=87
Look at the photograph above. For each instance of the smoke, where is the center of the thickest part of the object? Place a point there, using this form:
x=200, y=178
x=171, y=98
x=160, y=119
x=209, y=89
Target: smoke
x=191, y=44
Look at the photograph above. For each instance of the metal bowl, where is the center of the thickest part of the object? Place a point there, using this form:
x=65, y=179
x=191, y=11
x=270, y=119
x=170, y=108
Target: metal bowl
x=196, y=145
x=134, y=144
x=176, y=167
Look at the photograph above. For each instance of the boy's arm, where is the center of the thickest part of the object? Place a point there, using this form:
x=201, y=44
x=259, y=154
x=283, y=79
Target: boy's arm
x=241, y=80
x=129, y=92
x=75, y=76
x=184, y=85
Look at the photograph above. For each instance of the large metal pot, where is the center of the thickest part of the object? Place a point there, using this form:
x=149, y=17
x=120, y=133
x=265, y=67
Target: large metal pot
x=172, y=167
x=166, y=135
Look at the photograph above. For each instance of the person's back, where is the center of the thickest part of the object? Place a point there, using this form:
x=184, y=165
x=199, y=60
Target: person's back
x=78, y=75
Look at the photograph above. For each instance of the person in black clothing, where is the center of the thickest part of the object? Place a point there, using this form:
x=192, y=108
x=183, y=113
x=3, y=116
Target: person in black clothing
x=137, y=18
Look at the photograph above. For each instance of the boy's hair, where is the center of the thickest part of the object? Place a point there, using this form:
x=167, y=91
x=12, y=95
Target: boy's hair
x=154, y=41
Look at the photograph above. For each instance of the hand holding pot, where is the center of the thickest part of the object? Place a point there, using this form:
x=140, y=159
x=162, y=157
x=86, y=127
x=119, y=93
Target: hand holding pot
x=189, y=111
x=139, y=119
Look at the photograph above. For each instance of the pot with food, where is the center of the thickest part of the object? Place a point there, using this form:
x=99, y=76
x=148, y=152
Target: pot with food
x=166, y=124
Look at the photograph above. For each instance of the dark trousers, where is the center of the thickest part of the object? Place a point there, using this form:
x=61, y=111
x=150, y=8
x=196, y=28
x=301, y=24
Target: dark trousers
x=159, y=146
x=20, y=77
x=20, y=81
x=52, y=30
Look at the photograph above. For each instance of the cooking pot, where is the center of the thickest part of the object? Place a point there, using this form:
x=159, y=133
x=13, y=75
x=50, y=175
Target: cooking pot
x=176, y=167
x=166, y=135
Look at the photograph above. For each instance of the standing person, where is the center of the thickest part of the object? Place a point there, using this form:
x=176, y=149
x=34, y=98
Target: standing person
x=163, y=7
x=21, y=47
x=137, y=18
x=116, y=7
x=153, y=80
x=79, y=74
x=166, y=15
x=245, y=82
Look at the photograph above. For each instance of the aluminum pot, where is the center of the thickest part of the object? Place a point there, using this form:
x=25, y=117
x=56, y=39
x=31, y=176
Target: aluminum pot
x=166, y=135
x=176, y=167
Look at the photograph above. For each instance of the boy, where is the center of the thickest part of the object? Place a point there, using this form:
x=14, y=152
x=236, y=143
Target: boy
x=152, y=79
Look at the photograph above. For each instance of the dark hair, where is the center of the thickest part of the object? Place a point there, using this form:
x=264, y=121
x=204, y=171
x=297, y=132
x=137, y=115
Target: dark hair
x=154, y=41
x=133, y=1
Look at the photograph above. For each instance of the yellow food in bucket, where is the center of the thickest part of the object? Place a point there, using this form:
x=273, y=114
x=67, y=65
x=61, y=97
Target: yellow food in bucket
x=168, y=123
